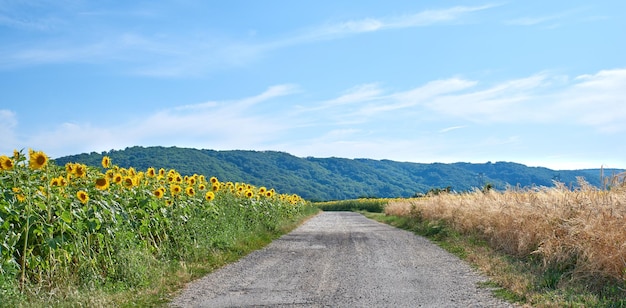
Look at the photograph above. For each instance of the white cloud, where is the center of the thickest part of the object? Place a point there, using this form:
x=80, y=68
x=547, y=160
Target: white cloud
x=8, y=123
x=451, y=128
x=552, y=20
x=421, y=19
x=221, y=124
x=596, y=100
x=168, y=55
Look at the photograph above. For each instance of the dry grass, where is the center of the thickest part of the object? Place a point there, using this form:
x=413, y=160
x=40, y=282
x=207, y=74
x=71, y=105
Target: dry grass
x=581, y=233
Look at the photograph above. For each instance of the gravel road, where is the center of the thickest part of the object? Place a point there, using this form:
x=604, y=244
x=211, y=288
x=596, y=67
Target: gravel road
x=342, y=259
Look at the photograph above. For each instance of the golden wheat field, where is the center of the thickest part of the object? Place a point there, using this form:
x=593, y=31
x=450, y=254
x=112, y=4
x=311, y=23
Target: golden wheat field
x=582, y=231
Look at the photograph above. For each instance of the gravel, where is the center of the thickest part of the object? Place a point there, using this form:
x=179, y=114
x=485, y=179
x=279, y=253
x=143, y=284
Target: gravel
x=343, y=259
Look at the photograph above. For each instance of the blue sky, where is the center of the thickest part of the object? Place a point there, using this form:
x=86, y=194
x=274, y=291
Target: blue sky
x=541, y=83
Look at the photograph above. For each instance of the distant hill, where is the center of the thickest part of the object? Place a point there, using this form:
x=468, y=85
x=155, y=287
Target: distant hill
x=336, y=178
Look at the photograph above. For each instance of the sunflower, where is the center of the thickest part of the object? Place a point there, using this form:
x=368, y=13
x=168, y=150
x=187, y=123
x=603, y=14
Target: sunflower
x=175, y=189
x=262, y=190
x=201, y=187
x=190, y=191
x=117, y=178
x=102, y=183
x=6, y=163
x=249, y=193
x=209, y=196
x=161, y=172
x=150, y=172
x=215, y=187
x=37, y=160
x=21, y=198
x=82, y=196
x=55, y=182
x=159, y=192
x=128, y=181
x=269, y=193
x=213, y=180
x=80, y=170
x=191, y=181
x=69, y=167
x=106, y=162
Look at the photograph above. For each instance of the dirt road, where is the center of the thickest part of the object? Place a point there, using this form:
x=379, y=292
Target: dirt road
x=342, y=259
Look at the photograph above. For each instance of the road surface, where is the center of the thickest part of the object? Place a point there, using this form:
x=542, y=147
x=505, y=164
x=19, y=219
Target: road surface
x=342, y=259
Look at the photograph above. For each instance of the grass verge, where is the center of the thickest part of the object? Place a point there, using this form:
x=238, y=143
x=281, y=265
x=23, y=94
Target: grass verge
x=518, y=280
x=158, y=282
x=374, y=205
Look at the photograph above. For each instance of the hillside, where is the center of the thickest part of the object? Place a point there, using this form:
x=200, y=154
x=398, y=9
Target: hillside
x=335, y=178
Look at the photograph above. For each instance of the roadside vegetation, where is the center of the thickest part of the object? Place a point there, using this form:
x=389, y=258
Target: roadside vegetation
x=85, y=236
x=543, y=247
x=372, y=205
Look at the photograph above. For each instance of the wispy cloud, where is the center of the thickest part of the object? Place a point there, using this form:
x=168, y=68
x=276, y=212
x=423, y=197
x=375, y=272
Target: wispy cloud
x=592, y=100
x=165, y=55
x=366, y=120
x=451, y=128
x=551, y=20
x=421, y=19
x=239, y=123
x=8, y=124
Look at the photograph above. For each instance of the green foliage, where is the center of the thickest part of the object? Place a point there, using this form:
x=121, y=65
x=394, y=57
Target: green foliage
x=370, y=205
x=320, y=179
x=59, y=227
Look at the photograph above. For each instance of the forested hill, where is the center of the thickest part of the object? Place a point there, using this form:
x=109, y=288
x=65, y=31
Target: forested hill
x=334, y=178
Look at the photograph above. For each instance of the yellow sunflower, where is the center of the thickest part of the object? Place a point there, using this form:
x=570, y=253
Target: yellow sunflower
x=175, y=189
x=190, y=191
x=213, y=180
x=102, y=183
x=159, y=192
x=128, y=182
x=80, y=170
x=37, y=160
x=106, y=162
x=82, y=196
x=6, y=163
x=249, y=193
x=209, y=196
x=69, y=167
x=117, y=178
x=150, y=172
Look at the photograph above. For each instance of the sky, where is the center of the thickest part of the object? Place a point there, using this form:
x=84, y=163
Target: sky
x=541, y=83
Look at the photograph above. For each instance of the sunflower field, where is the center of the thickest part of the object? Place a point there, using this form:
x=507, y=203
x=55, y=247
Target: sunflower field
x=85, y=225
